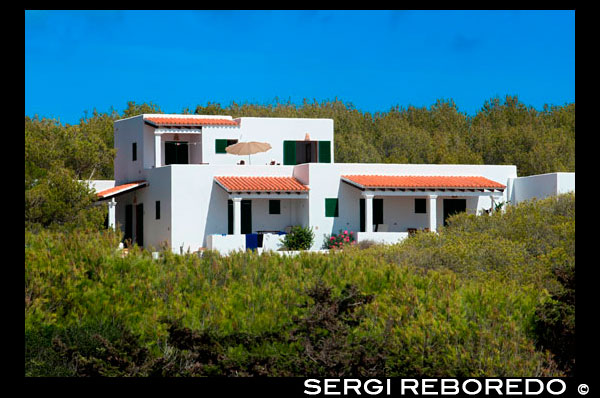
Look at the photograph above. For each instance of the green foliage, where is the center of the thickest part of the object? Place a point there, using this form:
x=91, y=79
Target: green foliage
x=299, y=238
x=58, y=200
x=339, y=240
x=488, y=296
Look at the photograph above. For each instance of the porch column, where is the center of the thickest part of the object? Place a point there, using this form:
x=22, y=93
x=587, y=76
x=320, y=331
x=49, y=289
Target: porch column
x=237, y=216
x=157, y=150
x=368, y=211
x=111, y=213
x=432, y=212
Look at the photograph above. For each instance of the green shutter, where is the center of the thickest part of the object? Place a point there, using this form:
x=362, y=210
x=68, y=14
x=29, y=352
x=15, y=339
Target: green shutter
x=324, y=151
x=220, y=146
x=331, y=207
x=289, y=153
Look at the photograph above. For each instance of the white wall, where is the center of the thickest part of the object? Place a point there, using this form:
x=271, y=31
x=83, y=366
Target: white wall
x=100, y=185
x=271, y=130
x=541, y=186
x=199, y=205
x=263, y=221
x=324, y=182
x=127, y=131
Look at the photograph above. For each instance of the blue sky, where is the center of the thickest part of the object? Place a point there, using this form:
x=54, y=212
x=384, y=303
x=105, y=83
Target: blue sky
x=81, y=60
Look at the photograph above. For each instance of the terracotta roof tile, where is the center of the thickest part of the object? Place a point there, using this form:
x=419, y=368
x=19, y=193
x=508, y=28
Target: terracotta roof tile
x=119, y=188
x=380, y=181
x=185, y=121
x=277, y=184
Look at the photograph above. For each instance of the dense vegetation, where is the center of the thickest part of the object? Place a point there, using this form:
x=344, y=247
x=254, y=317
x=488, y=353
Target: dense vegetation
x=487, y=296
x=501, y=132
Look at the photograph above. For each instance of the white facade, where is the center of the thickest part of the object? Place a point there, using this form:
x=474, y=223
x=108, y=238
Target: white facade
x=541, y=186
x=194, y=209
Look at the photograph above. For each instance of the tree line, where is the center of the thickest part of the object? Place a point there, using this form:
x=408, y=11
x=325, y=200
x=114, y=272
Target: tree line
x=503, y=131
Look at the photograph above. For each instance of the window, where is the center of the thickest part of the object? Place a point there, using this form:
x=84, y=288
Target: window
x=158, y=209
x=275, y=206
x=420, y=206
x=221, y=144
x=134, y=151
x=331, y=207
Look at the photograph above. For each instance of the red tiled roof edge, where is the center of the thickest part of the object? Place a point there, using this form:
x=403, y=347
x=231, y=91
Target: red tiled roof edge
x=181, y=121
x=395, y=181
x=118, y=188
x=261, y=184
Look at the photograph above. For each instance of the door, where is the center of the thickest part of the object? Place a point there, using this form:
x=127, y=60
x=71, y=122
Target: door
x=176, y=152
x=128, y=222
x=246, y=208
x=139, y=224
x=453, y=206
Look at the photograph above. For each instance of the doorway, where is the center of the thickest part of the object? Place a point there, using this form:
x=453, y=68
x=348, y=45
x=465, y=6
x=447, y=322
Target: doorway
x=128, y=223
x=139, y=224
x=176, y=152
x=453, y=206
x=246, y=208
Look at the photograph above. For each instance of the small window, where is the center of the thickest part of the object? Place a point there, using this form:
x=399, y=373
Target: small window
x=420, y=206
x=221, y=144
x=331, y=207
x=275, y=206
x=158, y=209
x=134, y=152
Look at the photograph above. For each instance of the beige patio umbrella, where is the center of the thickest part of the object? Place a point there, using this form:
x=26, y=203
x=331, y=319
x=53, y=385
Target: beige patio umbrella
x=248, y=148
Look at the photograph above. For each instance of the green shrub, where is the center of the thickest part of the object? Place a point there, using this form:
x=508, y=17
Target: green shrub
x=485, y=297
x=299, y=238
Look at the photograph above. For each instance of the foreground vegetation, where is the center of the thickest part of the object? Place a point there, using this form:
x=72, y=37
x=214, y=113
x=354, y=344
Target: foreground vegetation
x=487, y=296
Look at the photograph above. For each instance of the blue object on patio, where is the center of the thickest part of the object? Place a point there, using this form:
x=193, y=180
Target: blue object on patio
x=251, y=241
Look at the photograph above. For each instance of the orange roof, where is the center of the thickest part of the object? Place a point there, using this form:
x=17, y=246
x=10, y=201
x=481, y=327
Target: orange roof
x=278, y=184
x=119, y=189
x=380, y=181
x=186, y=121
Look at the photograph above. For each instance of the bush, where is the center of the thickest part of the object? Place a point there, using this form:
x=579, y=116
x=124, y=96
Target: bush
x=487, y=296
x=339, y=241
x=299, y=238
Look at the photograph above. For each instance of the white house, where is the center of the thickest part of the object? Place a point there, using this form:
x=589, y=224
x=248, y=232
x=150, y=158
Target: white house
x=175, y=185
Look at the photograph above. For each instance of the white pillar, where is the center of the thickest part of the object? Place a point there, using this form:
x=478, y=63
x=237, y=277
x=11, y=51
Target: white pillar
x=432, y=212
x=237, y=216
x=157, y=150
x=111, y=213
x=368, y=211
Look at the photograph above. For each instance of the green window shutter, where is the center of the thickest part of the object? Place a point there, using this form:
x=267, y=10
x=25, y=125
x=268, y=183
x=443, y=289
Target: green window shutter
x=324, y=151
x=289, y=153
x=220, y=146
x=331, y=207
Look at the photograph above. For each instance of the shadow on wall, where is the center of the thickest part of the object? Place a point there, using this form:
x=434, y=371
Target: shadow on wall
x=216, y=216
